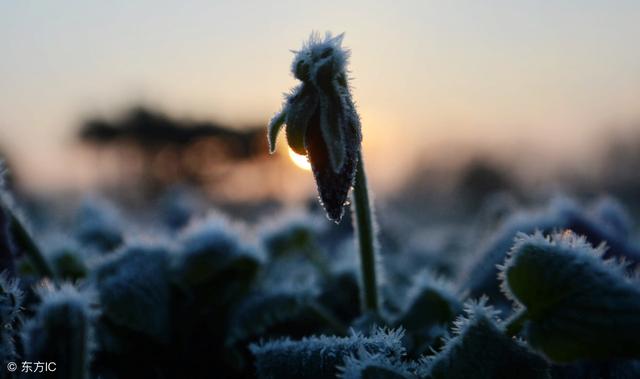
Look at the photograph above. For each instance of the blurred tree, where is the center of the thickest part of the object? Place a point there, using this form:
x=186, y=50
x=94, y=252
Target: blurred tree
x=169, y=150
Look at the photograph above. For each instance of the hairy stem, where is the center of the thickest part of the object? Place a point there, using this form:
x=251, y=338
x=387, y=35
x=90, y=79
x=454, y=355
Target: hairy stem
x=364, y=226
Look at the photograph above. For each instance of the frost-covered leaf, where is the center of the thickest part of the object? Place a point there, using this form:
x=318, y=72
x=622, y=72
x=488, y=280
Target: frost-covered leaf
x=214, y=261
x=20, y=237
x=133, y=286
x=374, y=366
x=274, y=129
x=61, y=331
x=291, y=233
x=297, y=313
x=178, y=206
x=294, y=236
x=67, y=259
x=260, y=311
x=574, y=304
x=302, y=105
x=430, y=301
x=561, y=213
x=321, y=119
x=480, y=349
x=98, y=225
x=430, y=305
x=319, y=357
x=341, y=294
x=613, y=216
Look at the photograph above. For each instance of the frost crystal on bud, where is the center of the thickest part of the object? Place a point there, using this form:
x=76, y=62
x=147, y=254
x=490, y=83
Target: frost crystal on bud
x=321, y=119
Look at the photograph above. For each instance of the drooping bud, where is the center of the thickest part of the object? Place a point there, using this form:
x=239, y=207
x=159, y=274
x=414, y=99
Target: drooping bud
x=321, y=120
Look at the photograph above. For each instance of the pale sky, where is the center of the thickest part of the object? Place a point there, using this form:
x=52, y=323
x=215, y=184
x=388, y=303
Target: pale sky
x=428, y=75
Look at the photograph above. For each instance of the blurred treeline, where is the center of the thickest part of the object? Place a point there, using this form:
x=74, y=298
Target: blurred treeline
x=155, y=152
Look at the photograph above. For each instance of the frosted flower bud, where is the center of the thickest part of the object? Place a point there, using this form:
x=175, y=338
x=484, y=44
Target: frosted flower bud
x=574, y=305
x=321, y=119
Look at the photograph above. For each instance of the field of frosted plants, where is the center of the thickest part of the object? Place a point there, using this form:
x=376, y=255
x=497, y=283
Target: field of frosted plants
x=546, y=290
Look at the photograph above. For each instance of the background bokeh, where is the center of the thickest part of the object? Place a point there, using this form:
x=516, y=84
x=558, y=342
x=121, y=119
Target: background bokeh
x=545, y=88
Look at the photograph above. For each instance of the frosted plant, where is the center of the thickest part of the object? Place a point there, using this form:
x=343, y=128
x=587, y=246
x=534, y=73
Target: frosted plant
x=430, y=304
x=11, y=299
x=572, y=304
x=61, y=331
x=295, y=235
x=213, y=259
x=133, y=286
x=16, y=235
x=319, y=357
x=293, y=232
x=341, y=294
x=322, y=123
x=480, y=349
x=561, y=213
x=178, y=206
x=430, y=300
x=67, y=258
x=613, y=216
x=365, y=365
x=260, y=312
x=98, y=225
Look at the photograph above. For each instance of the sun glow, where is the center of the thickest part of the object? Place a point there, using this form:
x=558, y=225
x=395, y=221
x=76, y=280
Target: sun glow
x=299, y=160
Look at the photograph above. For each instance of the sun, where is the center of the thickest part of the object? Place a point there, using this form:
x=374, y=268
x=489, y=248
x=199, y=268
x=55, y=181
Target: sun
x=299, y=160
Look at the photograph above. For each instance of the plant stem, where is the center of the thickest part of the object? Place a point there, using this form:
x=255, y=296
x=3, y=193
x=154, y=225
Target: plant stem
x=364, y=226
